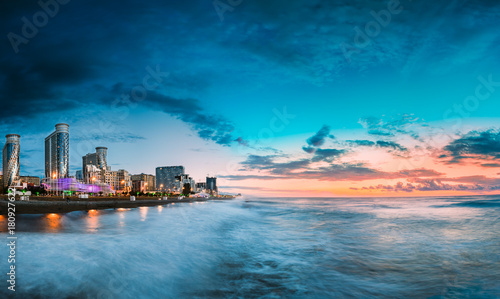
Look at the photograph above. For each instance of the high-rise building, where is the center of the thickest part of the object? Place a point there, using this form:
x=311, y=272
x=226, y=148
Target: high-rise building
x=165, y=178
x=148, y=179
x=57, y=153
x=98, y=159
x=11, y=160
x=212, y=185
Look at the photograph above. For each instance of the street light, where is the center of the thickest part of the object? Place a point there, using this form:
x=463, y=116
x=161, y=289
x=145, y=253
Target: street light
x=54, y=177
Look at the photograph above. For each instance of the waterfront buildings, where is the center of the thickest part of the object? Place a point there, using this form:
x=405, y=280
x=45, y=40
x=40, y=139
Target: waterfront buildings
x=96, y=170
x=11, y=160
x=30, y=180
x=139, y=186
x=57, y=153
x=148, y=179
x=166, y=178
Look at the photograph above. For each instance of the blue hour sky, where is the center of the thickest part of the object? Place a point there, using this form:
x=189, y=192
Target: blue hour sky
x=199, y=84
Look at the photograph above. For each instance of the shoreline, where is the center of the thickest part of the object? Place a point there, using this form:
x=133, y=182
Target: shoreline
x=49, y=205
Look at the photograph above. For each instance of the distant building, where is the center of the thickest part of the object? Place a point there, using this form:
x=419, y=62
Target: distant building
x=200, y=187
x=11, y=160
x=212, y=185
x=138, y=186
x=30, y=180
x=92, y=175
x=149, y=179
x=118, y=180
x=165, y=178
x=183, y=180
x=79, y=175
x=57, y=153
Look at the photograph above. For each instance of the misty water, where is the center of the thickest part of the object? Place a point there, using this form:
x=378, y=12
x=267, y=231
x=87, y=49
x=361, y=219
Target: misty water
x=446, y=247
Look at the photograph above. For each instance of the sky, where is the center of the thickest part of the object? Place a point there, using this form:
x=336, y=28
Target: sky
x=275, y=98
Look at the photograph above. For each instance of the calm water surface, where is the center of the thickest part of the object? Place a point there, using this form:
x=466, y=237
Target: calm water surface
x=264, y=247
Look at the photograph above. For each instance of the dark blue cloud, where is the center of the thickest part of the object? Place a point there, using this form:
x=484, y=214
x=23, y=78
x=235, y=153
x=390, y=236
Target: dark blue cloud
x=318, y=139
x=483, y=145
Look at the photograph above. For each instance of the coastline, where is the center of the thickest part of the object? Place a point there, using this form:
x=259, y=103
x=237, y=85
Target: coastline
x=48, y=205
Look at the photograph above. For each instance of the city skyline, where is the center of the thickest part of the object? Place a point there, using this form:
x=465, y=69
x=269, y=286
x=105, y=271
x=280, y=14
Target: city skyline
x=374, y=104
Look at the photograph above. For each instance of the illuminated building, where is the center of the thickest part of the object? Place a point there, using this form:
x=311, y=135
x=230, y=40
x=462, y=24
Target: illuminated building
x=11, y=160
x=57, y=153
x=149, y=179
x=30, y=180
x=165, y=178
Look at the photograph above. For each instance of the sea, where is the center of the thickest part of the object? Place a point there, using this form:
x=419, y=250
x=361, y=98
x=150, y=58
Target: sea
x=249, y=247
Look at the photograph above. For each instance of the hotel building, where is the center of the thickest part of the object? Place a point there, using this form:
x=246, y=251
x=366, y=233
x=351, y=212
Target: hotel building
x=57, y=153
x=166, y=178
x=10, y=157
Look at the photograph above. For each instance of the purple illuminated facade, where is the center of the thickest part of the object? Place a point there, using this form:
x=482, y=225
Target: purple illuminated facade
x=71, y=184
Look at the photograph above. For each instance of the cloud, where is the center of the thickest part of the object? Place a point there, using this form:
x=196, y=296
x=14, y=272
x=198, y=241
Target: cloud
x=338, y=171
x=405, y=124
x=380, y=143
x=208, y=126
x=393, y=145
x=480, y=145
x=327, y=154
x=361, y=142
x=467, y=183
x=318, y=139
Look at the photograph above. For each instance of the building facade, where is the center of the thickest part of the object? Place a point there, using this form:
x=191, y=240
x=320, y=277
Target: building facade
x=99, y=159
x=30, y=180
x=10, y=160
x=211, y=185
x=200, y=187
x=57, y=153
x=148, y=179
x=184, y=179
x=166, y=178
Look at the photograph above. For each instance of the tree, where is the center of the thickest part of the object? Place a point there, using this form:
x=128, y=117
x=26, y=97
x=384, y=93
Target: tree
x=186, y=189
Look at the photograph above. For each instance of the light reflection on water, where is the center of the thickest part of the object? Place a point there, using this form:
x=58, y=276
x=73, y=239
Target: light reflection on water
x=423, y=248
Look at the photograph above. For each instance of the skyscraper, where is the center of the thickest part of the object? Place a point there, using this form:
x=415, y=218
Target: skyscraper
x=57, y=153
x=165, y=177
x=11, y=160
x=212, y=185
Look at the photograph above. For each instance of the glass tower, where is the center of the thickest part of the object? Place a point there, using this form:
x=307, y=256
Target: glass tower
x=11, y=160
x=57, y=153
